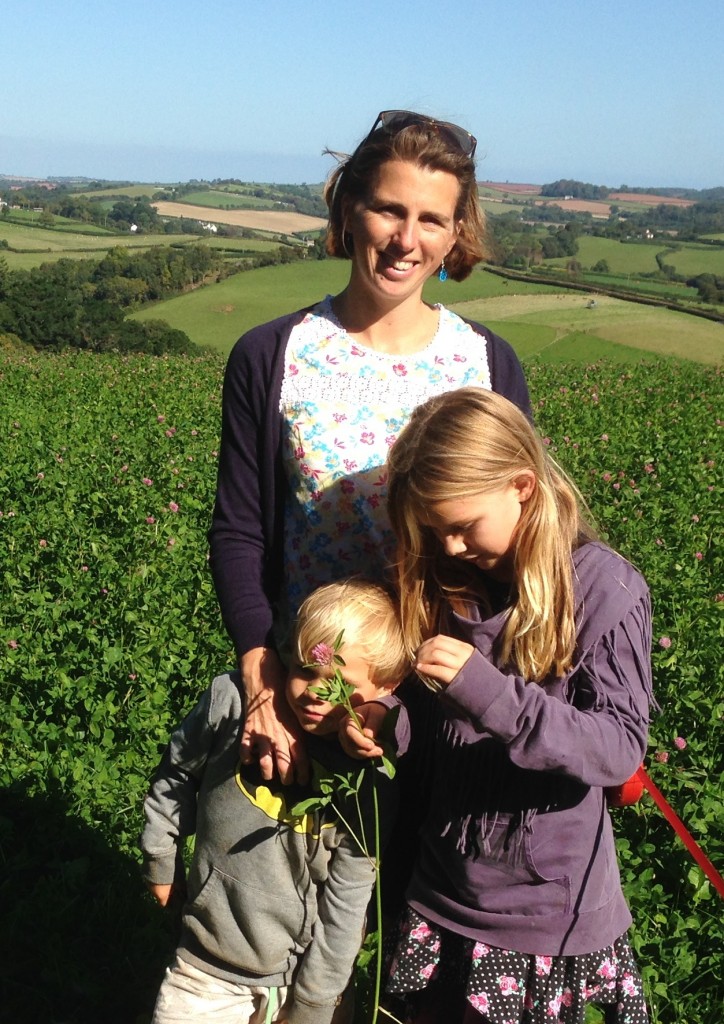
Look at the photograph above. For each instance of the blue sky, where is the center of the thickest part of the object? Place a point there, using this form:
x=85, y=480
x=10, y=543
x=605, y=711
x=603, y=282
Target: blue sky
x=162, y=90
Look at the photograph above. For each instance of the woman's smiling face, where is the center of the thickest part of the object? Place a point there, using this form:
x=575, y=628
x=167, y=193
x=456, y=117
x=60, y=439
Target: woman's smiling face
x=402, y=230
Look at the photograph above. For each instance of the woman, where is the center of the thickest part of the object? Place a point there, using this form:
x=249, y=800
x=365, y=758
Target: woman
x=313, y=401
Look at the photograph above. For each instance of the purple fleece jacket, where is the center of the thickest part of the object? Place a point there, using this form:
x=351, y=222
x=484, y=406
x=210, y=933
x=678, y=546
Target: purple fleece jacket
x=517, y=849
x=247, y=531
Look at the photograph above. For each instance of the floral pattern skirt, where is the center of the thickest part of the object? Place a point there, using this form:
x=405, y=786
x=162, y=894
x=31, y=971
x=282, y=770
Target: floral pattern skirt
x=505, y=987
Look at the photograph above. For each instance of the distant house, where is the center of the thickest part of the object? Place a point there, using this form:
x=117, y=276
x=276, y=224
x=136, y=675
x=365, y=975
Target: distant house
x=209, y=227
x=134, y=228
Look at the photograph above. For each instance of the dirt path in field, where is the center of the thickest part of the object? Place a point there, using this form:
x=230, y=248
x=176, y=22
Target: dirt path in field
x=259, y=220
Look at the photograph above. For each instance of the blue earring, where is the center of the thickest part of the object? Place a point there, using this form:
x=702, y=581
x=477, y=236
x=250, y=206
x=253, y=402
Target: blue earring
x=442, y=274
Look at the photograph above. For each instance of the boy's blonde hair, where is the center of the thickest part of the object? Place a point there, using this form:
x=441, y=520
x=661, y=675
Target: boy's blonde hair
x=367, y=615
x=465, y=443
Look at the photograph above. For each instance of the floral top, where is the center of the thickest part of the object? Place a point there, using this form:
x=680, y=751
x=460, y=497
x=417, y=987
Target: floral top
x=343, y=406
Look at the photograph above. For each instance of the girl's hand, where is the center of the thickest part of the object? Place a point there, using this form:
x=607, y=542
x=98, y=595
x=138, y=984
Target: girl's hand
x=441, y=658
x=362, y=744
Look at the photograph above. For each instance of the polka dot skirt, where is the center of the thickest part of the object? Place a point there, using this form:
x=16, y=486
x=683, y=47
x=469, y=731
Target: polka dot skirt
x=505, y=987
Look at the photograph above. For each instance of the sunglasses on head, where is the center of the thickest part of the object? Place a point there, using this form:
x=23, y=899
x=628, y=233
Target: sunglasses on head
x=394, y=121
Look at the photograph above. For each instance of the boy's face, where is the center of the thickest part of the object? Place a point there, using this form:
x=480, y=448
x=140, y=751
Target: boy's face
x=317, y=716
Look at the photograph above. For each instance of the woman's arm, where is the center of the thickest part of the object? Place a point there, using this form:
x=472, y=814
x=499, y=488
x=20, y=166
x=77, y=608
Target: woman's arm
x=246, y=539
x=241, y=534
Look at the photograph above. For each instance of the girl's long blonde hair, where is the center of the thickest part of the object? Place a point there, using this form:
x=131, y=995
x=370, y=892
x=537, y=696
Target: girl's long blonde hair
x=465, y=443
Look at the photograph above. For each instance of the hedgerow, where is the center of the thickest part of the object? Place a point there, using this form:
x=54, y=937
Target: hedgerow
x=110, y=629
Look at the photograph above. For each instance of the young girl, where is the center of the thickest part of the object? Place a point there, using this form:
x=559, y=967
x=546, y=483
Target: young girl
x=534, y=638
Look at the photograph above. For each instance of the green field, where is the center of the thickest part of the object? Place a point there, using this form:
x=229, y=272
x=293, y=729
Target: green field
x=31, y=219
x=543, y=319
x=665, y=289
x=218, y=315
x=622, y=257
x=219, y=200
x=242, y=245
x=562, y=327
x=111, y=628
x=687, y=258
x=497, y=209
x=131, y=191
x=694, y=259
x=44, y=245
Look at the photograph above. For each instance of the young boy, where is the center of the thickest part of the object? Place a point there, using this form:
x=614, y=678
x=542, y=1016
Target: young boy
x=275, y=902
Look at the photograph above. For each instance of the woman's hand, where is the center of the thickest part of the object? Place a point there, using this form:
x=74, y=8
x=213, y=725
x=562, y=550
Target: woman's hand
x=362, y=744
x=441, y=658
x=271, y=732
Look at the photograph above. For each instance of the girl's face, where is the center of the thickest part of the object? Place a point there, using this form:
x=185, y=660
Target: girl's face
x=402, y=230
x=481, y=529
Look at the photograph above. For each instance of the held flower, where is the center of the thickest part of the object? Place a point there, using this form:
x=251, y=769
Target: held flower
x=323, y=655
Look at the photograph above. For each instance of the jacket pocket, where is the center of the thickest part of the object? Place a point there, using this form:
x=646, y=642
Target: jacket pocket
x=254, y=930
x=504, y=870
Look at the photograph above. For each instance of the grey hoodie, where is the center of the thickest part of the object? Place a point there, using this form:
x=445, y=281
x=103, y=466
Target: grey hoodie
x=272, y=900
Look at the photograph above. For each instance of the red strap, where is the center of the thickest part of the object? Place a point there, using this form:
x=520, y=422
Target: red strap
x=682, y=832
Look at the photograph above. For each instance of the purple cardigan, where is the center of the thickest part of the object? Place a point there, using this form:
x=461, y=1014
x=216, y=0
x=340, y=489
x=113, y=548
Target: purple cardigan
x=517, y=848
x=247, y=531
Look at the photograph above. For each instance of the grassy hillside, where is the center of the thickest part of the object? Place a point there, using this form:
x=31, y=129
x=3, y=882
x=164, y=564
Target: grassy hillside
x=622, y=257
x=218, y=315
x=562, y=327
x=691, y=259
x=32, y=246
x=548, y=322
x=227, y=200
x=128, y=191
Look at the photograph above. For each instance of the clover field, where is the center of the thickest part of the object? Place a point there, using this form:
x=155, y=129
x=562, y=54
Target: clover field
x=109, y=629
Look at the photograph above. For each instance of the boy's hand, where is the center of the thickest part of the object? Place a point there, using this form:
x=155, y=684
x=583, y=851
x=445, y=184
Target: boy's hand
x=441, y=658
x=363, y=744
x=271, y=732
x=163, y=894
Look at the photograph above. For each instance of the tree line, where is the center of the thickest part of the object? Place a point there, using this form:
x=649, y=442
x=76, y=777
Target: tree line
x=84, y=303
x=516, y=239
